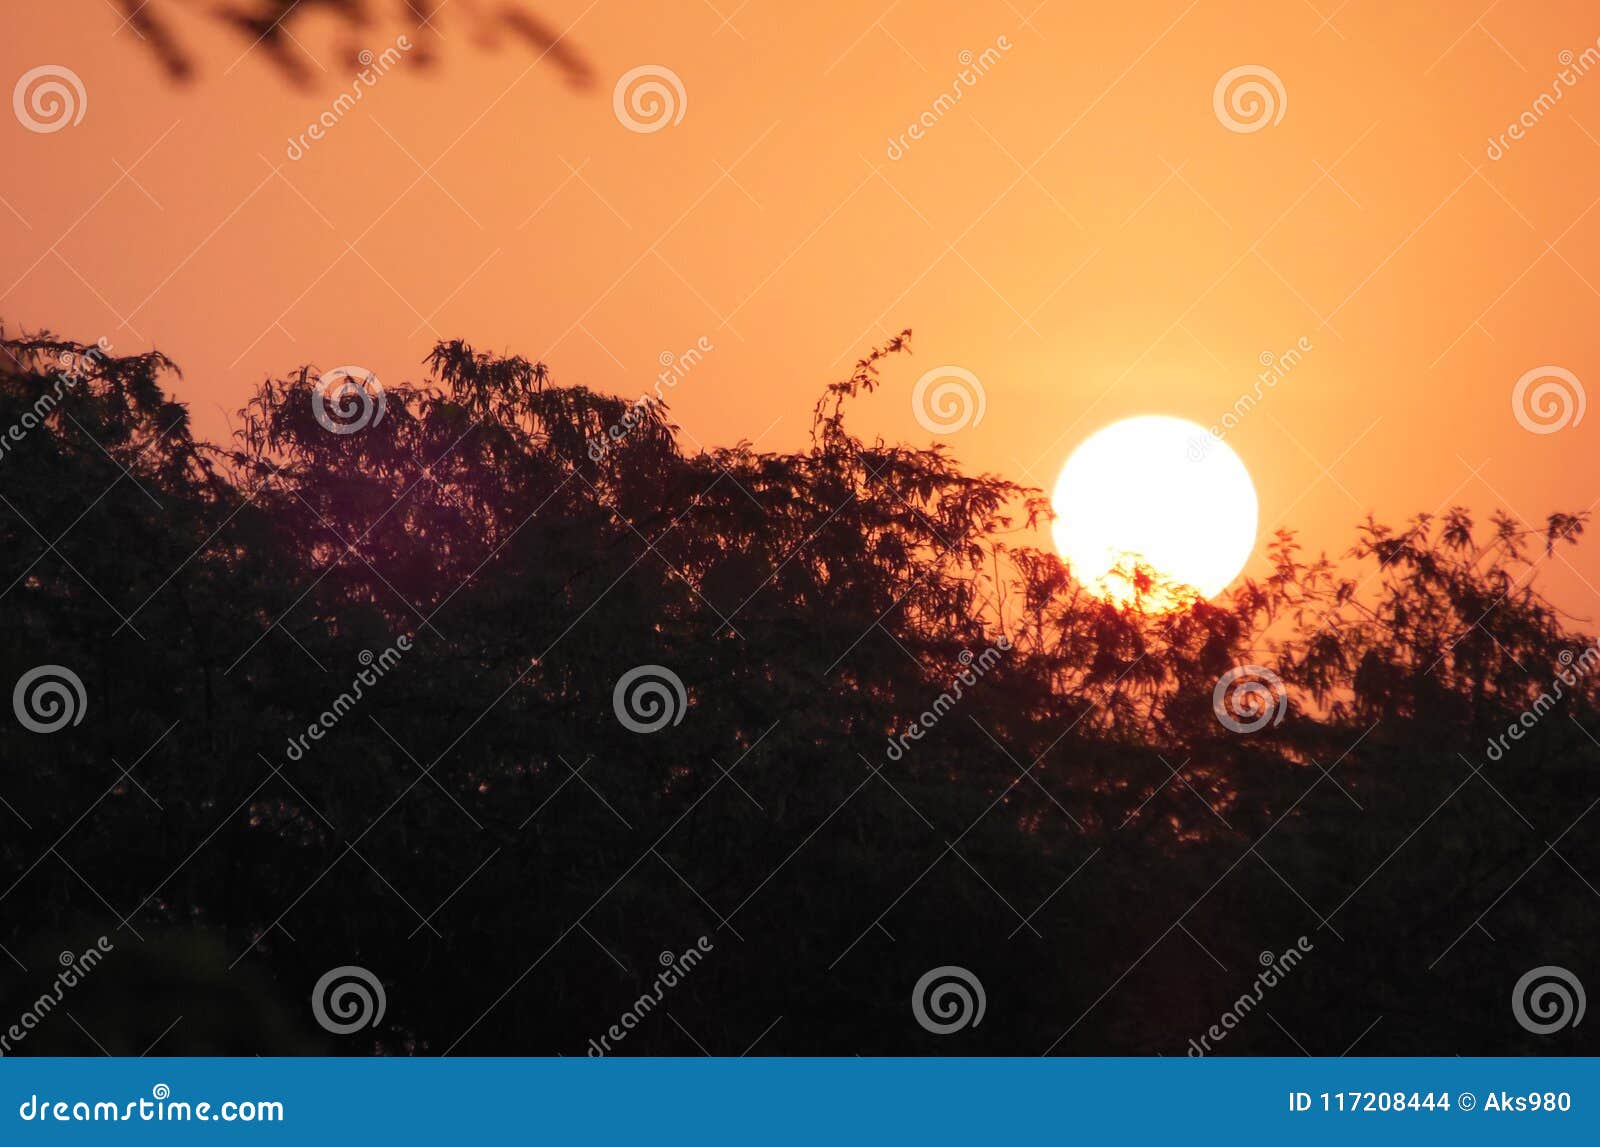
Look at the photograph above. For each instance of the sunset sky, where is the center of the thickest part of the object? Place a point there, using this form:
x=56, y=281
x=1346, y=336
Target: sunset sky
x=1081, y=230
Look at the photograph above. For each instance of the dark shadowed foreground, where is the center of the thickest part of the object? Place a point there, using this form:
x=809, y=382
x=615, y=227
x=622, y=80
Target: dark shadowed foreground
x=491, y=691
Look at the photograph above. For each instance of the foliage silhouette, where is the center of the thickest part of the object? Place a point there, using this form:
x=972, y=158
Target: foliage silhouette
x=481, y=831
x=268, y=25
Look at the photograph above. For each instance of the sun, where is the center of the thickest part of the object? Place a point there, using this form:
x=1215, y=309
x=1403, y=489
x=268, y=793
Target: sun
x=1153, y=510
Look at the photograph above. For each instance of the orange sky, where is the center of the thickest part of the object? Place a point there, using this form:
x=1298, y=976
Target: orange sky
x=1080, y=230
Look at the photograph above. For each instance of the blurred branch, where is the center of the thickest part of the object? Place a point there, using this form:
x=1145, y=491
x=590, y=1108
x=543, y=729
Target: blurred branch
x=270, y=25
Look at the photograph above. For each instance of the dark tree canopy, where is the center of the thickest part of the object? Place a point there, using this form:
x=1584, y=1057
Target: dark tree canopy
x=908, y=740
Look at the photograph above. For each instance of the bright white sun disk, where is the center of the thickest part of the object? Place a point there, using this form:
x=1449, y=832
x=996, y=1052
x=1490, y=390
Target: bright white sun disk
x=1159, y=493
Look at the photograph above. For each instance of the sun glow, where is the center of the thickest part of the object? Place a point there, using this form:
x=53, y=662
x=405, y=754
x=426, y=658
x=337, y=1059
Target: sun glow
x=1151, y=511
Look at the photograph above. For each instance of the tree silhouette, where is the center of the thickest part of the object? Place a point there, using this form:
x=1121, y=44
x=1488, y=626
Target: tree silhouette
x=269, y=25
x=907, y=739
